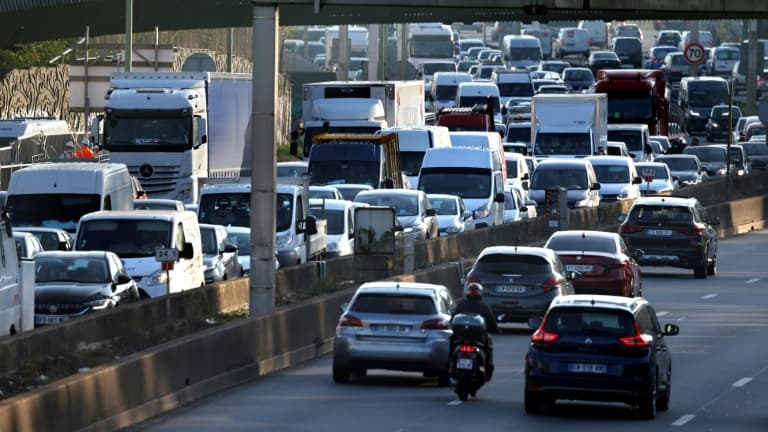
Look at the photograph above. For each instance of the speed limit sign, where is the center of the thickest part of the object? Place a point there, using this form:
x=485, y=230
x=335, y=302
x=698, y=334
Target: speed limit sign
x=694, y=53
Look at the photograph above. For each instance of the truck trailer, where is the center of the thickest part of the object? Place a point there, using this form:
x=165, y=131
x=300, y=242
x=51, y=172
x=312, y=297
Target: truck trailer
x=569, y=125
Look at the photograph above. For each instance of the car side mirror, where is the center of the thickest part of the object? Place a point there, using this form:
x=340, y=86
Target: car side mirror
x=671, y=330
x=123, y=279
x=523, y=210
x=595, y=186
x=344, y=307
x=526, y=185
x=572, y=275
x=499, y=197
x=467, y=215
x=229, y=248
x=530, y=202
x=622, y=217
x=534, y=322
x=637, y=180
x=632, y=155
x=310, y=226
x=187, y=252
x=431, y=212
x=526, y=176
x=637, y=253
x=62, y=246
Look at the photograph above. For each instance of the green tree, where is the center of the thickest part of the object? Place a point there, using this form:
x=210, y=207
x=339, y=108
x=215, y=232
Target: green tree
x=32, y=54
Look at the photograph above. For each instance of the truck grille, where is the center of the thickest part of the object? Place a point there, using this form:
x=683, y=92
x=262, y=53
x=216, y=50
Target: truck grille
x=59, y=308
x=156, y=179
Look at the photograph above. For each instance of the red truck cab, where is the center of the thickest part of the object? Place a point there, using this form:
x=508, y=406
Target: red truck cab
x=635, y=96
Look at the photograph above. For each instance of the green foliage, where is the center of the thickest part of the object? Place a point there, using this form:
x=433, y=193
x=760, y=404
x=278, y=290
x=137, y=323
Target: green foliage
x=33, y=54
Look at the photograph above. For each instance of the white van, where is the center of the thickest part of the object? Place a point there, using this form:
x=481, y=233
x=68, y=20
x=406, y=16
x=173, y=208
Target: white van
x=10, y=278
x=470, y=173
x=134, y=236
x=484, y=140
x=572, y=41
x=521, y=51
x=474, y=93
x=56, y=195
x=635, y=136
x=513, y=84
x=413, y=143
x=597, y=32
x=442, y=92
x=618, y=178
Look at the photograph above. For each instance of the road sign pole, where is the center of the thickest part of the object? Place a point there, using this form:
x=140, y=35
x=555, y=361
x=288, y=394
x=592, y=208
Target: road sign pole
x=694, y=68
x=167, y=291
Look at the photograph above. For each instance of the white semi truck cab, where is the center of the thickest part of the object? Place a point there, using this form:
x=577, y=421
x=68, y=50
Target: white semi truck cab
x=172, y=128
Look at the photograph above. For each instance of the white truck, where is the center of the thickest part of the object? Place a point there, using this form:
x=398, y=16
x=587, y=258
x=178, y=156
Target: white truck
x=298, y=237
x=360, y=107
x=430, y=41
x=171, y=128
x=570, y=125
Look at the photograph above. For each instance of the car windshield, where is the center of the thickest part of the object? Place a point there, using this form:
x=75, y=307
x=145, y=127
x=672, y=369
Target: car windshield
x=334, y=218
x=679, y=164
x=562, y=144
x=612, y=173
x=50, y=210
x=707, y=154
x=578, y=75
x=171, y=131
x=393, y=304
x=466, y=183
x=510, y=264
x=410, y=162
x=557, y=177
x=208, y=238
x=565, y=320
x=755, y=149
x=71, y=269
x=707, y=94
x=235, y=209
x=582, y=242
x=128, y=238
x=48, y=240
x=444, y=206
x=727, y=55
x=404, y=205
x=516, y=89
x=604, y=56
x=511, y=168
x=633, y=139
x=660, y=213
x=445, y=92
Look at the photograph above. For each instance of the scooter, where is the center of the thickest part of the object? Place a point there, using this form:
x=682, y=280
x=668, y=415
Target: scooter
x=467, y=362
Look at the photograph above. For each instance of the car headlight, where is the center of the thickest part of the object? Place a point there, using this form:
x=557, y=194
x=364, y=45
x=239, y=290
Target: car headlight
x=582, y=203
x=693, y=114
x=623, y=195
x=454, y=229
x=99, y=304
x=158, y=278
x=715, y=125
x=483, y=211
x=721, y=171
x=332, y=247
x=283, y=241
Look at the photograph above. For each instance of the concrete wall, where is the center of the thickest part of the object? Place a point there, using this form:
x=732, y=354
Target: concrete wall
x=167, y=376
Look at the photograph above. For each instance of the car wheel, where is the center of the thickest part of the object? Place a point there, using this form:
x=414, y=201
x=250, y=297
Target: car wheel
x=662, y=404
x=647, y=408
x=532, y=403
x=712, y=267
x=340, y=374
x=463, y=395
x=700, y=270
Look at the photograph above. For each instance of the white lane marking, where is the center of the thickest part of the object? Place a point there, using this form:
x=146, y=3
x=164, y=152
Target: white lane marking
x=662, y=313
x=683, y=420
x=709, y=296
x=753, y=280
x=456, y=402
x=742, y=382
x=681, y=319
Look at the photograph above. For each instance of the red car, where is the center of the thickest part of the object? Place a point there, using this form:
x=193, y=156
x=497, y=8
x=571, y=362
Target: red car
x=606, y=264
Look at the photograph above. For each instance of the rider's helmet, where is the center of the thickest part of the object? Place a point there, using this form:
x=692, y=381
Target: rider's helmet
x=474, y=290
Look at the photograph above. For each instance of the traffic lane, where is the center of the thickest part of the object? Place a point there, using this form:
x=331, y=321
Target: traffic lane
x=704, y=369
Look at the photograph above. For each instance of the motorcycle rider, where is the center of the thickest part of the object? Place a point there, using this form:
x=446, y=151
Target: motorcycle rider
x=473, y=304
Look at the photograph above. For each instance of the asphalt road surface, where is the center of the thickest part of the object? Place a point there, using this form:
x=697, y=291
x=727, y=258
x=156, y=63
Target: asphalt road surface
x=720, y=374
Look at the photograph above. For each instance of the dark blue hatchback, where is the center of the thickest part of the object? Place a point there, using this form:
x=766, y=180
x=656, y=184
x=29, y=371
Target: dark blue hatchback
x=600, y=348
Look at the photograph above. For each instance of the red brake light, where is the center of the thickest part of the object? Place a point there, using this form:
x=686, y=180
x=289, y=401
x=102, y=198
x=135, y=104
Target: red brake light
x=350, y=321
x=435, y=324
x=694, y=230
x=543, y=336
x=551, y=284
x=629, y=228
x=467, y=349
x=639, y=340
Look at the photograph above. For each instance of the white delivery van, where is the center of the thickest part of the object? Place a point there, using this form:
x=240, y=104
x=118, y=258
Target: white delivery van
x=442, y=91
x=10, y=281
x=485, y=140
x=513, y=84
x=413, y=143
x=635, y=136
x=57, y=194
x=521, y=51
x=470, y=173
x=597, y=32
x=474, y=93
x=134, y=236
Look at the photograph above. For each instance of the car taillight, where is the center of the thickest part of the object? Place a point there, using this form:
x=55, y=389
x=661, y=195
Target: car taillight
x=639, y=340
x=435, y=324
x=472, y=278
x=629, y=228
x=543, y=336
x=694, y=230
x=350, y=321
x=551, y=283
x=467, y=349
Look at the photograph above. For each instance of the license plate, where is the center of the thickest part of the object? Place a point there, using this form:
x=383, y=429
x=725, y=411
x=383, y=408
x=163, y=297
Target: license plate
x=49, y=319
x=579, y=267
x=464, y=363
x=512, y=289
x=587, y=368
x=391, y=328
x=658, y=232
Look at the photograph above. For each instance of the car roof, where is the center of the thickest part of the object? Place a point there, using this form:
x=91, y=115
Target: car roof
x=628, y=304
x=330, y=204
x=443, y=196
x=664, y=200
x=585, y=233
x=564, y=162
x=72, y=254
x=545, y=253
x=31, y=229
x=397, y=287
x=609, y=160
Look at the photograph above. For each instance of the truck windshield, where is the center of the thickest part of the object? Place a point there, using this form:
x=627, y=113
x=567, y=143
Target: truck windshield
x=445, y=92
x=468, y=183
x=708, y=94
x=630, y=107
x=234, y=209
x=51, y=210
x=334, y=218
x=431, y=47
x=310, y=132
x=128, y=238
x=431, y=68
x=529, y=53
x=330, y=172
x=410, y=162
x=575, y=144
x=164, y=132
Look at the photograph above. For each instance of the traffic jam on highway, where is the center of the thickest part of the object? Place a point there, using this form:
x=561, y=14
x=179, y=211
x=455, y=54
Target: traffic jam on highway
x=485, y=130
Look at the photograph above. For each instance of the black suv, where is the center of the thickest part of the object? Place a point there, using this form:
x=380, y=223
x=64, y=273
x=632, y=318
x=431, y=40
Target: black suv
x=599, y=348
x=672, y=231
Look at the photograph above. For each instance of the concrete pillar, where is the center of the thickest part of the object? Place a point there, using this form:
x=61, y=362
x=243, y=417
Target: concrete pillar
x=402, y=40
x=266, y=21
x=383, y=43
x=694, y=26
x=128, y=35
x=751, y=76
x=230, y=48
x=343, y=65
x=374, y=51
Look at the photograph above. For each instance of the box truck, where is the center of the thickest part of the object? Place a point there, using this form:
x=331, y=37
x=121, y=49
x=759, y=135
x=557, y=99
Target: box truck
x=570, y=125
